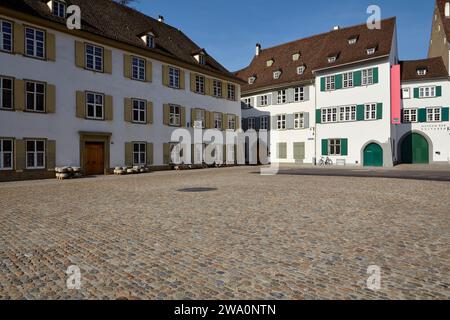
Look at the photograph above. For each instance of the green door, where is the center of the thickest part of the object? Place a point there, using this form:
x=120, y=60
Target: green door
x=373, y=155
x=415, y=149
x=299, y=151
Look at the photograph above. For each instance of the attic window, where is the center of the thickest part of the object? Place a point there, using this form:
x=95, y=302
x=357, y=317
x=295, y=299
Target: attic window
x=352, y=40
x=332, y=59
x=270, y=62
x=295, y=56
x=301, y=70
x=371, y=51
x=251, y=80
x=201, y=59
x=149, y=39
x=421, y=71
x=277, y=75
x=58, y=8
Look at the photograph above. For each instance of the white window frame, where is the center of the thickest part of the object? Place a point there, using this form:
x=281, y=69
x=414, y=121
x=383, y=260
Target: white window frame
x=34, y=43
x=231, y=122
x=299, y=94
x=370, y=111
x=410, y=115
x=247, y=102
x=427, y=92
x=231, y=91
x=347, y=80
x=201, y=59
x=330, y=83
x=200, y=84
x=281, y=122
x=264, y=100
x=251, y=80
x=217, y=88
x=139, y=106
x=281, y=97
x=35, y=95
x=94, y=106
x=330, y=115
x=6, y=37
x=174, y=115
x=59, y=8
x=421, y=72
x=96, y=57
x=217, y=121
x=277, y=75
x=333, y=145
x=251, y=124
x=406, y=93
x=141, y=153
x=174, y=77
x=371, y=51
x=301, y=70
x=299, y=120
x=434, y=114
x=332, y=59
x=3, y=90
x=3, y=153
x=367, y=77
x=150, y=40
x=138, y=68
x=347, y=113
x=35, y=154
x=264, y=123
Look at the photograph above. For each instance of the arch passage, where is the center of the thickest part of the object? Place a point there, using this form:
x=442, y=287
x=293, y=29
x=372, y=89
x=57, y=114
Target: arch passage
x=415, y=149
x=373, y=155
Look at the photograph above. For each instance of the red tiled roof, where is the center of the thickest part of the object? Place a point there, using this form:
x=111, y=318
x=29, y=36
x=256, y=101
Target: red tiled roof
x=435, y=69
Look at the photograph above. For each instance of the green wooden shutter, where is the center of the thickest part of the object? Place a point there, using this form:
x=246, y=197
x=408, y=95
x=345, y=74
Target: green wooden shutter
x=375, y=75
x=422, y=115
x=318, y=115
x=324, y=147
x=438, y=91
x=445, y=112
x=338, y=79
x=360, y=112
x=322, y=84
x=379, y=111
x=357, y=78
x=416, y=93
x=344, y=147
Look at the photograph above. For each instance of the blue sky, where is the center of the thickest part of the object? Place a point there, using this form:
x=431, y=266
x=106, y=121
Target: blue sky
x=229, y=29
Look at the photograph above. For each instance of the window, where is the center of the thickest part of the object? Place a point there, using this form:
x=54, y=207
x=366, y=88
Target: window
x=200, y=84
x=330, y=83
x=139, y=154
x=301, y=70
x=348, y=80
x=276, y=75
x=251, y=80
x=231, y=92
x=281, y=122
x=5, y=36
x=231, y=122
x=59, y=9
x=281, y=96
x=264, y=100
x=299, y=120
x=406, y=93
x=6, y=154
x=299, y=94
x=94, y=58
x=217, y=88
x=427, y=92
x=433, y=114
x=35, y=43
x=248, y=102
x=139, y=111
x=367, y=77
x=264, y=123
x=251, y=124
x=409, y=115
x=35, y=154
x=174, y=77
x=371, y=51
x=329, y=115
x=334, y=147
x=347, y=113
x=332, y=59
x=35, y=96
x=201, y=59
x=94, y=105
x=199, y=118
x=295, y=56
x=138, y=69
x=370, y=111
x=150, y=40
x=352, y=41
x=175, y=116
x=6, y=93
x=217, y=121
x=269, y=63
x=422, y=72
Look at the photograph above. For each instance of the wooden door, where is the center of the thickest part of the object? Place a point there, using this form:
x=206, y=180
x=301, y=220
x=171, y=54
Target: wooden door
x=94, y=158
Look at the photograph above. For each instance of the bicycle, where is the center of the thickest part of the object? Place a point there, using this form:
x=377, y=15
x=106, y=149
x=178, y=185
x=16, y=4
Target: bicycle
x=325, y=162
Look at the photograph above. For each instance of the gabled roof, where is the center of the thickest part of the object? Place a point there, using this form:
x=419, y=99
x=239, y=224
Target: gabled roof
x=435, y=69
x=314, y=52
x=446, y=21
x=111, y=20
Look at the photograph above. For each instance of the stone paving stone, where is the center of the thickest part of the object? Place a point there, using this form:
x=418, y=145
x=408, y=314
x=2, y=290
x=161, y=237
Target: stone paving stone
x=255, y=237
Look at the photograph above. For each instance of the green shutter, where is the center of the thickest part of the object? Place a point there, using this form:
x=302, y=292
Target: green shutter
x=360, y=112
x=338, y=79
x=344, y=147
x=379, y=111
x=438, y=91
x=445, y=112
x=318, y=115
x=357, y=78
x=322, y=84
x=416, y=93
x=375, y=75
x=325, y=147
x=422, y=115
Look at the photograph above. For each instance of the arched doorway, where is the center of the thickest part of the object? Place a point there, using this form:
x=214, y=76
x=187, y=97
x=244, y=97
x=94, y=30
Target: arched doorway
x=373, y=155
x=415, y=149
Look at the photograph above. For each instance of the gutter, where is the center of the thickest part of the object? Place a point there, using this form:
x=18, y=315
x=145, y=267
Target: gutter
x=269, y=89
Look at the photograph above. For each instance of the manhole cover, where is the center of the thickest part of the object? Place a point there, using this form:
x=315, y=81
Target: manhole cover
x=197, y=190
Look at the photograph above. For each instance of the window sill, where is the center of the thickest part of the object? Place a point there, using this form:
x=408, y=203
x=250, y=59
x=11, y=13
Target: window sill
x=7, y=109
x=36, y=58
x=94, y=119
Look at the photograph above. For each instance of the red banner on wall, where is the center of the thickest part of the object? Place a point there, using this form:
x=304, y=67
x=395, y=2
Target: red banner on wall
x=395, y=95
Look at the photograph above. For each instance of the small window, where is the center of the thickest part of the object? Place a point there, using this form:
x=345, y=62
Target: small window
x=174, y=77
x=200, y=118
x=231, y=122
x=150, y=40
x=348, y=80
x=6, y=93
x=329, y=115
x=301, y=70
x=95, y=106
x=371, y=51
x=5, y=36
x=59, y=9
x=352, y=41
x=200, y=84
x=217, y=88
x=281, y=97
x=6, y=154
x=217, y=121
x=277, y=75
x=406, y=93
x=367, y=77
x=264, y=123
x=139, y=154
x=427, y=92
x=370, y=111
x=35, y=154
x=138, y=69
x=332, y=59
x=347, y=113
x=231, y=91
x=269, y=63
x=299, y=120
x=334, y=147
x=175, y=116
x=264, y=100
x=202, y=59
x=139, y=111
x=94, y=58
x=35, y=43
x=248, y=102
x=421, y=71
x=295, y=56
x=251, y=80
x=35, y=96
x=330, y=83
x=409, y=115
x=281, y=122
x=299, y=94
x=434, y=115
x=251, y=124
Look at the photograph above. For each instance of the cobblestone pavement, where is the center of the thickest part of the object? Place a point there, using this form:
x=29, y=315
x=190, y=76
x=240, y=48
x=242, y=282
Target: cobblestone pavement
x=255, y=237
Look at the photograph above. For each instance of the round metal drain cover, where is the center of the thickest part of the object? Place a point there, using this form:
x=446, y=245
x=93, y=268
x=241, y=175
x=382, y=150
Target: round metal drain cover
x=197, y=190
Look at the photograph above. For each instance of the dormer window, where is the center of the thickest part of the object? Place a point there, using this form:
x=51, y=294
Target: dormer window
x=301, y=70
x=422, y=71
x=371, y=51
x=353, y=40
x=58, y=8
x=251, y=80
x=296, y=56
x=277, y=74
x=332, y=59
x=201, y=59
x=149, y=40
x=270, y=62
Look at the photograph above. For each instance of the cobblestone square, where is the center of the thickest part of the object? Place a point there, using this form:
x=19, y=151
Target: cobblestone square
x=248, y=237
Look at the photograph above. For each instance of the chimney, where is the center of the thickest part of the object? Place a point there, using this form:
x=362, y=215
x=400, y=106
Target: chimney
x=336, y=28
x=161, y=19
x=447, y=9
x=258, y=49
